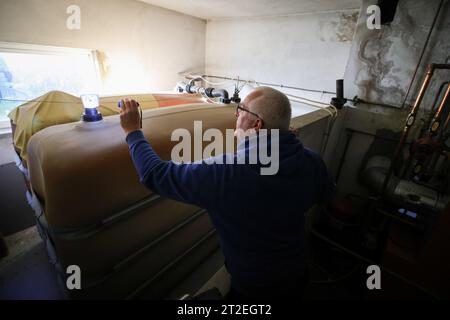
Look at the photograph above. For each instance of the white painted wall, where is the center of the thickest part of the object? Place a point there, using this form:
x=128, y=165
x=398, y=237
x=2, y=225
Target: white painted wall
x=144, y=46
x=306, y=50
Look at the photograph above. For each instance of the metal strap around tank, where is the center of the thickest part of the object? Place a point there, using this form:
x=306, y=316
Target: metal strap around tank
x=170, y=265
x=89, y=231
x=140, y=252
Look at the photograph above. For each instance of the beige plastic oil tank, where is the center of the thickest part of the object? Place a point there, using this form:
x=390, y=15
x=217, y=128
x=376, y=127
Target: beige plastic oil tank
x=127, y=241
x=57, y=107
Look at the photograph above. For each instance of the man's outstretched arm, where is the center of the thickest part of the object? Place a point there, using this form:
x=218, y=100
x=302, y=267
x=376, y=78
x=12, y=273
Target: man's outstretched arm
x=191, y=183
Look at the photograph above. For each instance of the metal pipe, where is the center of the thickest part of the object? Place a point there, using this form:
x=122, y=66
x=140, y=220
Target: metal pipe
x=357, y=100
x=209, y=92
x=433, y=107
x=269, y=84
x=339, y=100
x=436, y=98
x=445, y=124
x=432, y=127
x=401, y=191
x=217, y=93
x=354, y=100
x=435, y=123
x=340, y=88
x=441, y=106
x=423, y=88
x=410, y=120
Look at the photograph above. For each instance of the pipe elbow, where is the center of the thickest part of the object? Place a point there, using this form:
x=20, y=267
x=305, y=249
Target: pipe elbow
x=221, y=93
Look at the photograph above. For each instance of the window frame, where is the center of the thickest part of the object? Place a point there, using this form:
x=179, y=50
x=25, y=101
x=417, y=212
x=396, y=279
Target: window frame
x=28, y=48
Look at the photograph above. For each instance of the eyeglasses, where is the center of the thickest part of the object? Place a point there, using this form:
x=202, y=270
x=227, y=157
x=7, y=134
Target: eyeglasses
x=239, y=108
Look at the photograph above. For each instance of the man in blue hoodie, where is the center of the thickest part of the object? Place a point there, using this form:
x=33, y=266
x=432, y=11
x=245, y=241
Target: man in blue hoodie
x=259, y=217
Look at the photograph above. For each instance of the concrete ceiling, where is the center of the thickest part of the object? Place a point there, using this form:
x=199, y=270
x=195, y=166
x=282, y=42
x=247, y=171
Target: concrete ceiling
x=226, y=9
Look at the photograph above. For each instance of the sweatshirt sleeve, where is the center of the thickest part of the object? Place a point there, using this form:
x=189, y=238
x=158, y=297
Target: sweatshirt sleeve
x=190, y=183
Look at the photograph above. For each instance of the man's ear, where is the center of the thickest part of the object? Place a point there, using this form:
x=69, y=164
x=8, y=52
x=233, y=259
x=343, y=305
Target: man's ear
x=257, y=125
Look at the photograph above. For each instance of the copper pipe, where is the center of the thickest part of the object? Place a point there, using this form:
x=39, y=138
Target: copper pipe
x=438, y=94
x=423, y=88
x=441, y=106
x=433, y=107
x=410, y=121
x=444, y=100
x=433, y=129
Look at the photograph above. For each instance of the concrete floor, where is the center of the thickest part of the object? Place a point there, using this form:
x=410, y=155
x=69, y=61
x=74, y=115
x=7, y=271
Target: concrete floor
x=26, y=272
x=15, y=212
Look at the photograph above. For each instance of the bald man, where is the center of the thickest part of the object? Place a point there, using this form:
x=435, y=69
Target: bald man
x=259, y=218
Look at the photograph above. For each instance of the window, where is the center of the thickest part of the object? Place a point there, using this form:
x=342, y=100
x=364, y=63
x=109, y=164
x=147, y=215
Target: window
x=28, y=71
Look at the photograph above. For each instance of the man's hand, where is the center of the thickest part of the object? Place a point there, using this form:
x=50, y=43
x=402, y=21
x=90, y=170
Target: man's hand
x=129, y=116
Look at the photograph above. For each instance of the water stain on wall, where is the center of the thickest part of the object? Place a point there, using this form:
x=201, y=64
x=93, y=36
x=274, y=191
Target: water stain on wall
x=339, y=29
x=380, y=50
x=345, y=28
x=387, y=57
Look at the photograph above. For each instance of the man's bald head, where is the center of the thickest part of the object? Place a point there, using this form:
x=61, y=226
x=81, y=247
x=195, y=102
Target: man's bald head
x=272, y=106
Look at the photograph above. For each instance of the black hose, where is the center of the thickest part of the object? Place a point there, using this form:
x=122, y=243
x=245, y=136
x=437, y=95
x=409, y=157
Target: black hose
x=219, y=93
x=209, y=92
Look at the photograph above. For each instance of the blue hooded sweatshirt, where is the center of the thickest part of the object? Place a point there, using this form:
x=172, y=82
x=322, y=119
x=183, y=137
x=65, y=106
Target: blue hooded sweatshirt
x=259, y=218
